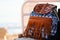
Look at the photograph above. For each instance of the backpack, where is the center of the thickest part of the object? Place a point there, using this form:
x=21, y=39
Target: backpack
x=42, y=22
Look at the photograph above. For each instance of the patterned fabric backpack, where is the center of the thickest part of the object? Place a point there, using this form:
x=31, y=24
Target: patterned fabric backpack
x=42, y=22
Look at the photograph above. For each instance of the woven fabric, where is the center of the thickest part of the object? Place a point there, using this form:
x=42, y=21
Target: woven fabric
x=49, y=15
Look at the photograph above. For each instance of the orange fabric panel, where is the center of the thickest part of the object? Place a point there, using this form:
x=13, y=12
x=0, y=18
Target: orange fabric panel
x=38, y=23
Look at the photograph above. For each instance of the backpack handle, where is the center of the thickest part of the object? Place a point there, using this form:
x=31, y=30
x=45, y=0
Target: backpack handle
x=56, y=13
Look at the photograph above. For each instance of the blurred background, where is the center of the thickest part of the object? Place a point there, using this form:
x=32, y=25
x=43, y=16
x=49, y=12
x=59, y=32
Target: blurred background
x=10, y=15
x=10, y=18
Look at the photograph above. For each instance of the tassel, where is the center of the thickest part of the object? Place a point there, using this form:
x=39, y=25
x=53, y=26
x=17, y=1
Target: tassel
x=35, y=25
